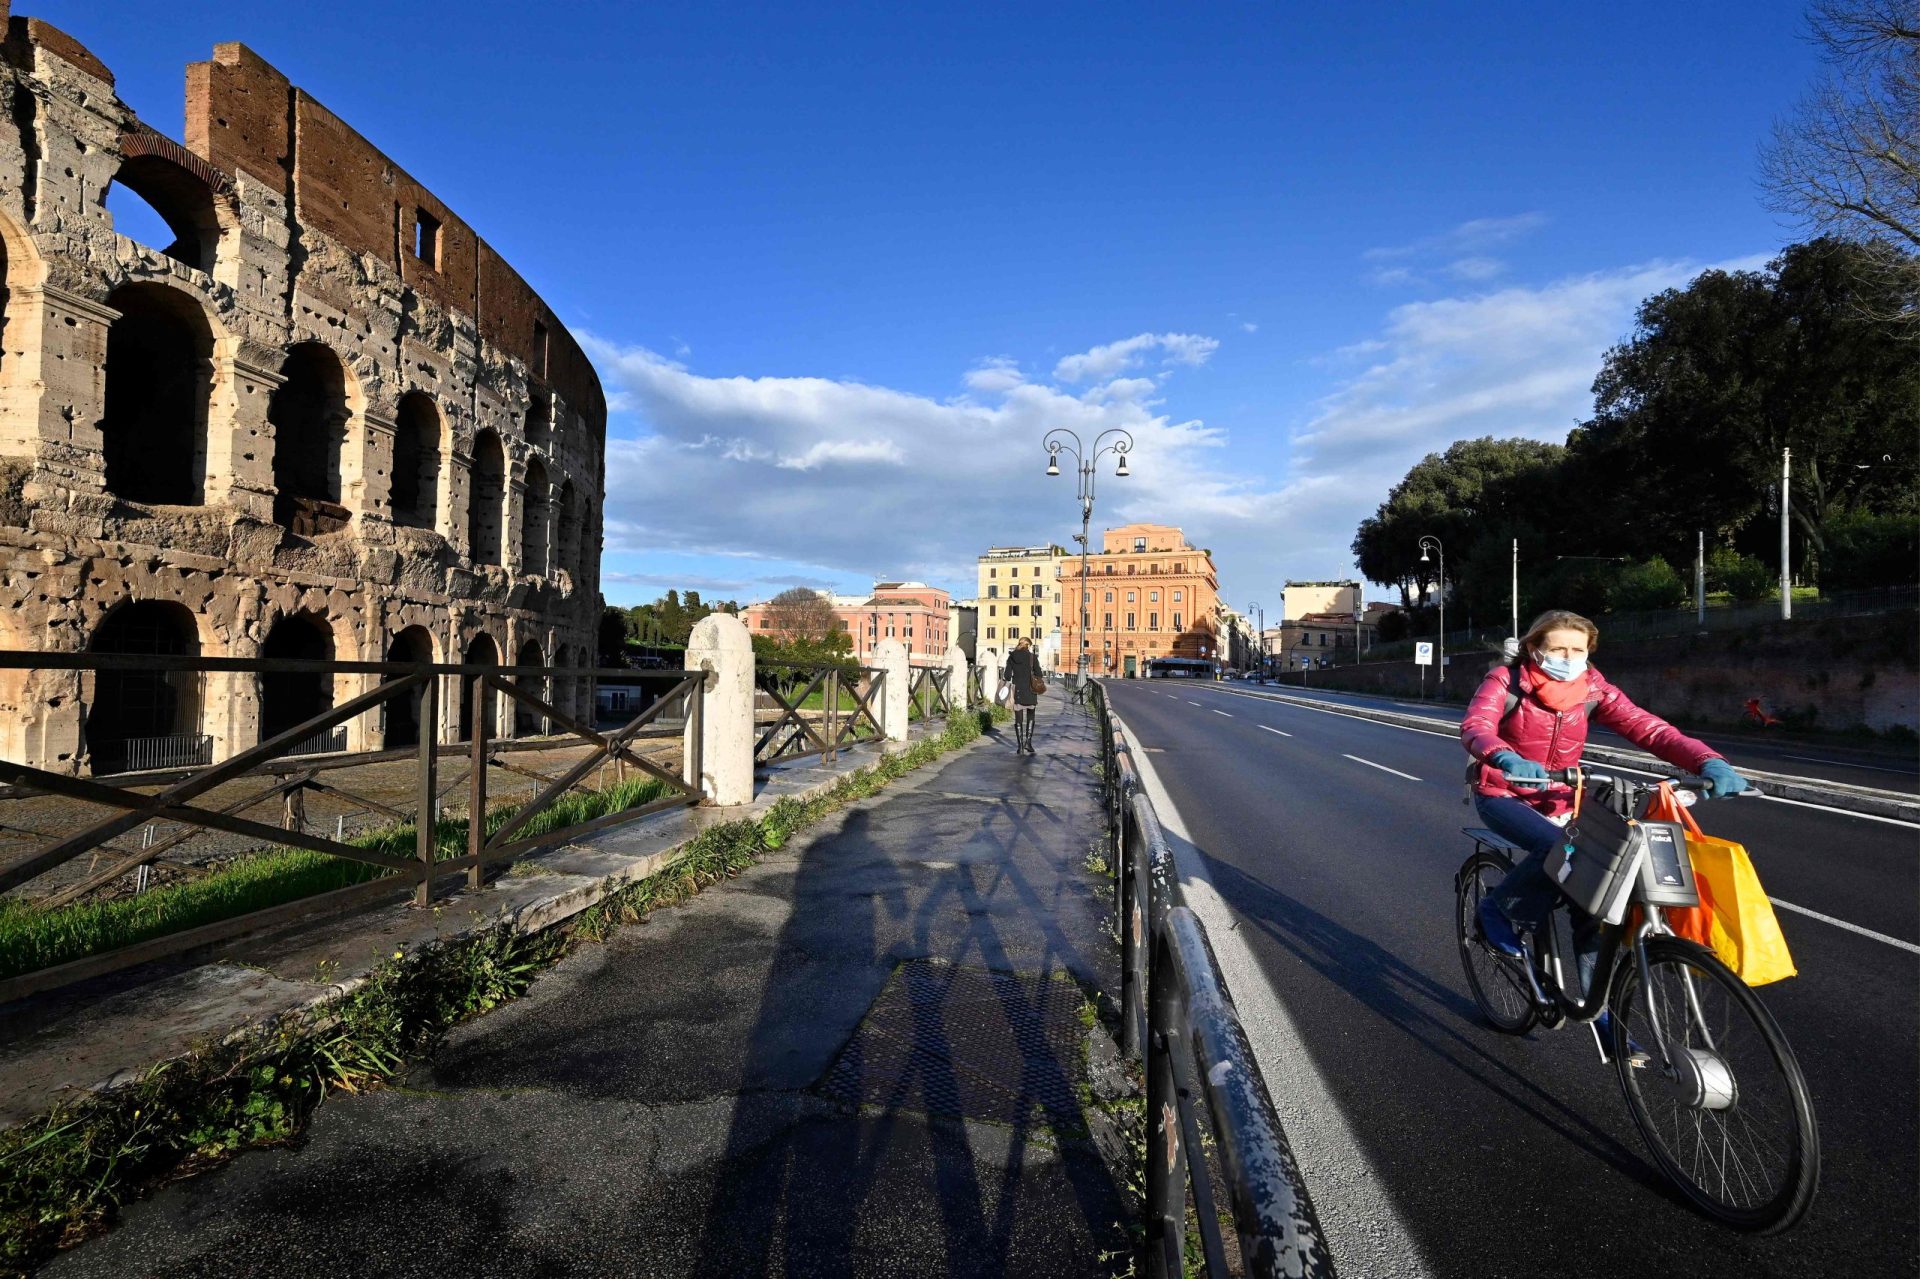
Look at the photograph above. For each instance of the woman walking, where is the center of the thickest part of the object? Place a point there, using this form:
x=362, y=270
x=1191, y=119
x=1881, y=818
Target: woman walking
x=1023, y=673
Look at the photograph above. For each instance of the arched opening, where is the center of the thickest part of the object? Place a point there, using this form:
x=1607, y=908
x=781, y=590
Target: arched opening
x=416, y=461
x=159, y=204
x=403, y=717
x=539, y=421
x=481, y=652
x=486, y=499
x=288, y=698
x=147, y=719
x=567, y=521
x=309, y=416
x=154, y=431
x=528, y=722
x=535, y=513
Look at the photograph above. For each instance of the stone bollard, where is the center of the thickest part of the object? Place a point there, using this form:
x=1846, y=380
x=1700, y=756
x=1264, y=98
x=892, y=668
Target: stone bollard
x=956, y=679
x=721, y=647
x=890, y=655
x=990, y=675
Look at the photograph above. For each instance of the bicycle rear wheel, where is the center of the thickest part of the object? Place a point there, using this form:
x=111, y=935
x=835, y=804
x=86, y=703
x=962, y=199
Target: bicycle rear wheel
x=1728, y=1118
x=1499, y=985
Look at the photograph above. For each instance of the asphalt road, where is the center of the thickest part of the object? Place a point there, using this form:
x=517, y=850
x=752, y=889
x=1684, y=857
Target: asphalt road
x=1885, y=768
x=1332, y=842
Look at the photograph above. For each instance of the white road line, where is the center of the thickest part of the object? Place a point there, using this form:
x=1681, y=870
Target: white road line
x=1841, y=763
x=1841, y=923
x=1191, y=702
x=1382, y=767
x=1363, y=1226
x=1275, y=730
x=1870, y=817
x=1220, y=713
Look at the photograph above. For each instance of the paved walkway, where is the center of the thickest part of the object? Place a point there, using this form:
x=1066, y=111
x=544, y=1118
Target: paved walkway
x=865, y=1056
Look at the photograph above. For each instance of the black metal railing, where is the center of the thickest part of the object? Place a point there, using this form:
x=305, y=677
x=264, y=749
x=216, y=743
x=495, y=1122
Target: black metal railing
x=406, y=694
x=137, y=754
x=1178, y=1018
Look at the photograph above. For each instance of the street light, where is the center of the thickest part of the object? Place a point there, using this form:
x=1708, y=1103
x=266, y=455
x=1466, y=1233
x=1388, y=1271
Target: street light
x=1056, y=444
x=1430, y=542
x=1260, y=637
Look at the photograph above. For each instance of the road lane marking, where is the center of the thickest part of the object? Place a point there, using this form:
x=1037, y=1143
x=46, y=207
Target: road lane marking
x=1871, y=817
x=1356, y=1212
x=1841, y=923
x=1382, y=767
x=1218, y=712
x=1841, y=763
x=1191, y=702
x=1275, y=730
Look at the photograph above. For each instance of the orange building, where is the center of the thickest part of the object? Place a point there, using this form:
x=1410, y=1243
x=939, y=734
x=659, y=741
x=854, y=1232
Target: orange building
x=1151, y=595
x=911, y=612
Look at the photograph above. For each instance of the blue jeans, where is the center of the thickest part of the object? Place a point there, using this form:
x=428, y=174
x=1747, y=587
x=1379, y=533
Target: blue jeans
x=1526, y=896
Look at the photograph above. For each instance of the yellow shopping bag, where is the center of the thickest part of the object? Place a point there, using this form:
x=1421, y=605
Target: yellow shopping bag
x=1746, y=935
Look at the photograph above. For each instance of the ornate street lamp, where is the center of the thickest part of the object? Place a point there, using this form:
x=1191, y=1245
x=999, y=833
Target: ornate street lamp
x=1056, y=442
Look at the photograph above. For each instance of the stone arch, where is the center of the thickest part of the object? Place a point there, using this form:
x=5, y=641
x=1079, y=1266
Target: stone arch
x=153, y=430
x=566, y=520
x=486, y=500
x=528, y=722
x=401, y=715
x=140, y=719
x=481, y=650
x=178, y=197
x=536, y=518
x=419, y=439
x=289, y=697
x=309, y=412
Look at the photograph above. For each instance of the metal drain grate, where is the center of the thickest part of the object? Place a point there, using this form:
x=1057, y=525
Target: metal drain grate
x=966, y=1042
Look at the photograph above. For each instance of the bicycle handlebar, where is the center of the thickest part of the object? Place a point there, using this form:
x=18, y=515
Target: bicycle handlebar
x=1569, y=776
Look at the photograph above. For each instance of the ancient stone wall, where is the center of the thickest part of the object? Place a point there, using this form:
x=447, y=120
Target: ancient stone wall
x=198, y=442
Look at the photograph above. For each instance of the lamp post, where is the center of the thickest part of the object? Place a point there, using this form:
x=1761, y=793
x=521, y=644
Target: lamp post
x=1056, y=442
x=1260, y=637
x=1430, y=542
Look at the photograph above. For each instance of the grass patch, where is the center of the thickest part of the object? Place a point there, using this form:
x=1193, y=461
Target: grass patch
x=31, y=938
x=64, y=1175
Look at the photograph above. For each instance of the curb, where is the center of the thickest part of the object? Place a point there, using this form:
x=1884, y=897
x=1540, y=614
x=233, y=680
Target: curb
x=1864, y=800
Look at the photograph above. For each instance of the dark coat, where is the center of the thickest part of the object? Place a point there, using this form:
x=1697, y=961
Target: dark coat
x=1022, y=666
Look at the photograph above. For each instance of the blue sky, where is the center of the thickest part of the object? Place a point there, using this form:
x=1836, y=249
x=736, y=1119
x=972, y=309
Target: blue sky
x=841, y=266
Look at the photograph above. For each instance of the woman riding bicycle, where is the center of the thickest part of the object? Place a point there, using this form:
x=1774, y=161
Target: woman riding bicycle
x=1528, y=718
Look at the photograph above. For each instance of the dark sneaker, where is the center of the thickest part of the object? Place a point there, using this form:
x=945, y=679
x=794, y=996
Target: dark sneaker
x=1497, y=931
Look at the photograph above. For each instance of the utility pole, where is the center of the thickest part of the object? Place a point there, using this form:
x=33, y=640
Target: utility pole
x=1786, y=550
x=1700, y=579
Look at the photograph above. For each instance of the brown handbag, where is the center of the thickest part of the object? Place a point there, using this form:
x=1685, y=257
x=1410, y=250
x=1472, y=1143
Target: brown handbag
x=1039, y=685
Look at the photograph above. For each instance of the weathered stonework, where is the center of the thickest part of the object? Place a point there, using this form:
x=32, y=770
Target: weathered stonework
x=210, y=432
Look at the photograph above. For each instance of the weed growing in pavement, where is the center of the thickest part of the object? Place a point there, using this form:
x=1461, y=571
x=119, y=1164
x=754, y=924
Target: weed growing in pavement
x=63, y=1175
x=1095, y=862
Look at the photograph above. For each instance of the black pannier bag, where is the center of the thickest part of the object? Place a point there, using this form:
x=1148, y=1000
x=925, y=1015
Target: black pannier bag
x=1595, y=866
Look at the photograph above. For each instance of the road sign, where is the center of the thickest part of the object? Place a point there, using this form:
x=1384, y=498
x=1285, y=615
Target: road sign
x=1423, y=654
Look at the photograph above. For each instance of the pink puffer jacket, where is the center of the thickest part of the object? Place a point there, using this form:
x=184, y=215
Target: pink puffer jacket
x=1556, y=739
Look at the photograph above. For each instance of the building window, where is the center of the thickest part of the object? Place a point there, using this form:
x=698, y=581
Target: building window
x=990, y=634
x=1153, y=596
x=1013, y=591
x=1176, y=597
x=993, y=572
x=426, y=238
x=1132, y=596
x=1153, y=621
x=993, y=592
x=1056, y=597
x=1139, y=544
x=1109, y=597
x=1108, y=623
x=1176, y=621
x=993, y=610
x=1130, y=621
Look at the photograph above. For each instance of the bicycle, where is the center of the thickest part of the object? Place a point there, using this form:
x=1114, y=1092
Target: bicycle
x=1706, y=1072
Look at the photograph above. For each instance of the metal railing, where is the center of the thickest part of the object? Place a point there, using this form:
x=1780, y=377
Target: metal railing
x=414, y=689
x=816, y=710
x=927, y=692
x=1178, y=1017
x=138, y=754
x=327, y=741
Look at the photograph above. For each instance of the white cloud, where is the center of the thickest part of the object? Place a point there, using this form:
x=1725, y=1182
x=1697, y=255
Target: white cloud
x=1474, y=269
x=862, y=479
x=1114, y=357
x=1248, y=326
x=1476, y=234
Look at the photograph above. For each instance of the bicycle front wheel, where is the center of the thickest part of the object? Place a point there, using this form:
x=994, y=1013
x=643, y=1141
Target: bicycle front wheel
x=1724, y=1109
x=1498, y=984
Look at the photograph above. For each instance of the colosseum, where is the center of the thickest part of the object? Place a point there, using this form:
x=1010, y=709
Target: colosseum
x=325, y=421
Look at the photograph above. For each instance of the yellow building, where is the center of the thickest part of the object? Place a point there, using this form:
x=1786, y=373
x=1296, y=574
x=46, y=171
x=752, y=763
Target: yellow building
x=1019, y=598
x=1150, y=595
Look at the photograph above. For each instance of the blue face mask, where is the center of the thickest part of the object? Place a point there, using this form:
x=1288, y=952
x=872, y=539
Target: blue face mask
x=1561, y=668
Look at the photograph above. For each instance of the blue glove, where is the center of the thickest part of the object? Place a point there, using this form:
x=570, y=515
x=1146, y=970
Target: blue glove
x=1514, y=764
x=1726, y=782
